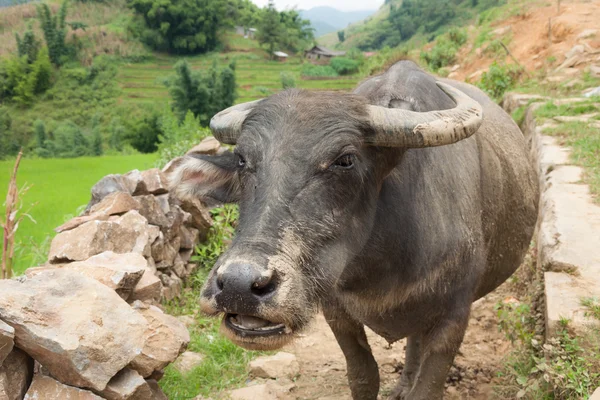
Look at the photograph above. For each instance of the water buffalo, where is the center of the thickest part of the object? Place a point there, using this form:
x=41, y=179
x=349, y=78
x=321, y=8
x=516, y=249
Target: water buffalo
x=393, y=207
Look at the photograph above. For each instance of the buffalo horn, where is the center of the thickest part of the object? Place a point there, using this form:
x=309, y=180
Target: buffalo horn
x=404, y=128
x=227, y=125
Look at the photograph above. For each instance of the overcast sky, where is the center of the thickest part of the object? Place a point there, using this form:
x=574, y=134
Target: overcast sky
x=345, y=5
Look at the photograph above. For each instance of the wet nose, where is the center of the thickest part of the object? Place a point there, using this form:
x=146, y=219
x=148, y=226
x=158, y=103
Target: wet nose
x=242, y=285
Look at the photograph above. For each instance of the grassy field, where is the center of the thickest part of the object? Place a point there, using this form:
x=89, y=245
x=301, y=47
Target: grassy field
x=256, y=76
x=59, y=187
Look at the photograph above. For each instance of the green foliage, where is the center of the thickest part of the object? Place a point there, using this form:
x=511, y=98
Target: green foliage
x=311, y=70
x=21, y=81
x=203, y=93
x=440, y=55
x=177, y=137
x=341, y=36
x=287, y=80
x=551, y=110
x=8, y=145
x=55, y=32
x=28, y=46
x=142, y=131
x=344, y=66
x=457, y=36
x=284, y=29
x=593, y=306
x=270, y=29
x=180, y=26
x=499, y=78
x=219, y=236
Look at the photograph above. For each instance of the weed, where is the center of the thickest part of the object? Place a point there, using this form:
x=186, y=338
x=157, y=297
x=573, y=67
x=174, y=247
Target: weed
x=593, y=307
x=550, y=110
x=519, y=115
x=585, y=142
x=287, y=80
x=499, y=78
x=311, y=70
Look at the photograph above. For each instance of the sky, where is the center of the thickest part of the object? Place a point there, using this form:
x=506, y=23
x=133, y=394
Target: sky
x=344, y=5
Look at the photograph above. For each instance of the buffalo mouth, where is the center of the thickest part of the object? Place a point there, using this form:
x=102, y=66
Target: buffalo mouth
x=250, y=326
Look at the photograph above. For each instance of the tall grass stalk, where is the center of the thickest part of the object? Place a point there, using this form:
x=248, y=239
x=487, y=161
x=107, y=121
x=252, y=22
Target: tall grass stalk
x=13, y=218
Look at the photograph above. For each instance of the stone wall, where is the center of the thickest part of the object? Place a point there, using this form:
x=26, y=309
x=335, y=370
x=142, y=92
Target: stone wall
x=88, y=323
x=567, y=237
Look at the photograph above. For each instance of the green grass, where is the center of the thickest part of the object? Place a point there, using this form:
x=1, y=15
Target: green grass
x=585, y=142
x=59, y=187
x=550, y=110
x=593, y=307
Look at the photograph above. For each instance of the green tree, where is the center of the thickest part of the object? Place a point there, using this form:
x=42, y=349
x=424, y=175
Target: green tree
x=28, y=45
x=202, y=93
x=8, y=145
x=55, y=31
x=96, y=136
x=270, y=29
x=341, y=36
x=181, y=26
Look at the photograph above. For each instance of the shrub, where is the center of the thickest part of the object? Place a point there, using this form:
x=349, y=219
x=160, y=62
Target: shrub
x=180, y=26
x=28, y=45
x=318, y=70
x=457, y=36
x=8, y=144
x=21, y=81
x=499, y=78
x=55, y=32
x=287, y=80
x=442, y=54
x=177, y=137
x=344, y=66
x=203, y=93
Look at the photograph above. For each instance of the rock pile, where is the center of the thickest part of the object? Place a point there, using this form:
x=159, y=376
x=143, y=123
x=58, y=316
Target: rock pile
x=87, y=324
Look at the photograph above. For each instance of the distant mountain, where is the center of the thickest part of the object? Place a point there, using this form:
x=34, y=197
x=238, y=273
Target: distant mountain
x=327, y=19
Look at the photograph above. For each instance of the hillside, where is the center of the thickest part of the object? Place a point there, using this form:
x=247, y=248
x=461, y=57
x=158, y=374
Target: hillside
x=367, y=24
x=328, y=19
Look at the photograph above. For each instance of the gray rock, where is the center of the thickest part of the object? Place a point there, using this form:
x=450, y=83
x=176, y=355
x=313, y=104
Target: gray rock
x=46, y=388
x=126, y=234
x=157, y=393
x=166, y=339
x=279, y=365
x=187, y=361
x=107, y=185
x=172, y=286
x=15, y=375
x=201, y=219
x=149, y=288
x=127, y=385
x=137, y=182
x=120, y=272
x=155, y=181
x=79, y=329
x=7, y=340
x=151, y=209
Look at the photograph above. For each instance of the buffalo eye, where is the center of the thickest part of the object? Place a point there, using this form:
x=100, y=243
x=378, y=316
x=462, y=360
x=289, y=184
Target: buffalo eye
x=345, y=162
x=241, y=163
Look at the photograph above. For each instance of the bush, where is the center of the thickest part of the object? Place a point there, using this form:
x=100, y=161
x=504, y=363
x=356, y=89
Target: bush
x=287, y=80
x=8, y=145
x=318, y=70
x=203, y=93
x=177, y=137
x=440, y=55
x=180, y=26
x=21, y=81
x=344, y=66
x=457, y=36
x=55, y=33
x=499, y=78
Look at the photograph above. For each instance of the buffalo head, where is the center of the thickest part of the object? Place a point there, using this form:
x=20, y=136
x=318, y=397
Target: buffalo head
x=306, y=171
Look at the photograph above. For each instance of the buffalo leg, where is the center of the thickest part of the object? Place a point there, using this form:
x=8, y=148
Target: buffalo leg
x=438, y=348
x=363, y=373
x=411, y=367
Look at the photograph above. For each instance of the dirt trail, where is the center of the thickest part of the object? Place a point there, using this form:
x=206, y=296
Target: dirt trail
x=323, y=368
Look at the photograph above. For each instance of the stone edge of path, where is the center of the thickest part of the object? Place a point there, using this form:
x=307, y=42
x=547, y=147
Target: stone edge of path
x=568, y=234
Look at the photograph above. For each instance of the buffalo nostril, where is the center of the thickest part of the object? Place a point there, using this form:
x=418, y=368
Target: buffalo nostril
x=264, y=285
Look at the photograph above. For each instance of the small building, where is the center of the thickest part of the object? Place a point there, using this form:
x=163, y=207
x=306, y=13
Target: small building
x=280, y=56
x=322, y=55
x=250, y=33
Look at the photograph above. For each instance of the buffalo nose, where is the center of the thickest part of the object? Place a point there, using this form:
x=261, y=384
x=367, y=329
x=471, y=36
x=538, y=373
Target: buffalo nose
x=246, y=281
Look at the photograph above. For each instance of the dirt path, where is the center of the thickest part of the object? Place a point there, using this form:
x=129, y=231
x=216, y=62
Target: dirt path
x=323, y=368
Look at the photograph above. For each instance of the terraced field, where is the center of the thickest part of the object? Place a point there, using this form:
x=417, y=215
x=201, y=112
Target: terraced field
x=256, y=76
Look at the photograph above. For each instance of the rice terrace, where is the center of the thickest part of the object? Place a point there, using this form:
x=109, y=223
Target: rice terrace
x=308, y=199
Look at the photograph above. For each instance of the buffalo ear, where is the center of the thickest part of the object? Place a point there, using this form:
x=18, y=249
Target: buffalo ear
x=212, y=179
